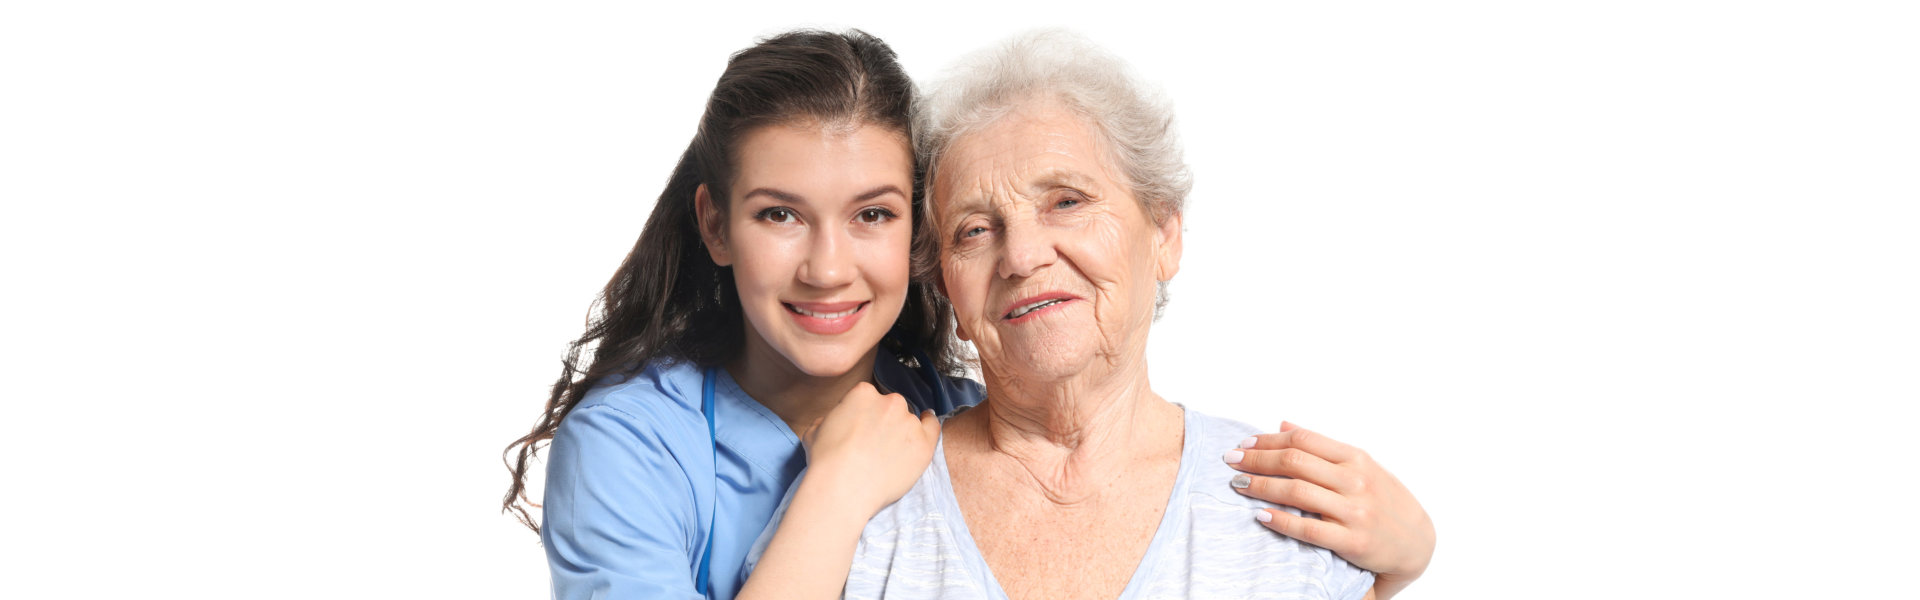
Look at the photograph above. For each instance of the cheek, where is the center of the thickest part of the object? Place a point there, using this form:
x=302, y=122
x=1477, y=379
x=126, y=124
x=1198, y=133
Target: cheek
x=964, y=289
x=888, y=263
x=762, y=264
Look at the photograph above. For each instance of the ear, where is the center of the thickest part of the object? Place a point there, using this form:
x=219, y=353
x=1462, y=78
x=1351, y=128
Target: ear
x=712, y=227
x=1167, y=255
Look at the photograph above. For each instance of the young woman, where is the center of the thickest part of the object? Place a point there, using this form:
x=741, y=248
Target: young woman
x=777, y=313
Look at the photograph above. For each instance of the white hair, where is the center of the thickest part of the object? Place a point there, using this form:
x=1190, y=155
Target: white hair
x=1060, y=66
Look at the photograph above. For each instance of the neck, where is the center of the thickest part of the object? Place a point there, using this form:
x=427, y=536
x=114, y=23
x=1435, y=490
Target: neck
x=1072, y=438
x=797, y=397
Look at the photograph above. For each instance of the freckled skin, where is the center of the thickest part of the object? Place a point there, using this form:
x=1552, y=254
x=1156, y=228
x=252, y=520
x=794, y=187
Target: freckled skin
x=1063, y=473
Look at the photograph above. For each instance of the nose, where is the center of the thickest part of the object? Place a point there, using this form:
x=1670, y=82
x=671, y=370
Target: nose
x=1026, y=249
x=829, y=262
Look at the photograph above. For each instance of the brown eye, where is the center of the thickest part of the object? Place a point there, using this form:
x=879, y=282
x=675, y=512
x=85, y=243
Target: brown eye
x=777, y=215
x=875, y=216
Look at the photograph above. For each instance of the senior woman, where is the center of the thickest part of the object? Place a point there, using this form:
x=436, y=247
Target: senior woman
x=1056, y=191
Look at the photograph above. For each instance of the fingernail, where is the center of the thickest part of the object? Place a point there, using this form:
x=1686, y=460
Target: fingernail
x=1233, y=456
x=1249, y=442
x=1242, y=481
x=1261, y=515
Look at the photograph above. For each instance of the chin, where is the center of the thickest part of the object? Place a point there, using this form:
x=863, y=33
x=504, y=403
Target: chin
x=1043, y=361
x=826, y=360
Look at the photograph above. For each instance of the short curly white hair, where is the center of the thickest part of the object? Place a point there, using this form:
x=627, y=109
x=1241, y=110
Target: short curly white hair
x=1061, y=66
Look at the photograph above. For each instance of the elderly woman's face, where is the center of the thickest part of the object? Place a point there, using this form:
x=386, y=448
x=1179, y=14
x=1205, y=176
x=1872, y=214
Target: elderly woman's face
x=1050, y=261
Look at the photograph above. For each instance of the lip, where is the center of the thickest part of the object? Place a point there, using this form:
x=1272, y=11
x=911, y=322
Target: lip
x=1063, y=297
x=827, y=325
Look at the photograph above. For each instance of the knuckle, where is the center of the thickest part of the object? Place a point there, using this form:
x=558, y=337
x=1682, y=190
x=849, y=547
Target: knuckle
x=1360, y=513
x=1359, y=485
x=1360, y=546
x=1303, y=437
x=1290, y=458
x=1273, y=487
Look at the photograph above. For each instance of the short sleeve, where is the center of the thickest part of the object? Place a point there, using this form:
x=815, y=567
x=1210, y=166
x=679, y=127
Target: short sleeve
x=1345, y=581
x=620, y=510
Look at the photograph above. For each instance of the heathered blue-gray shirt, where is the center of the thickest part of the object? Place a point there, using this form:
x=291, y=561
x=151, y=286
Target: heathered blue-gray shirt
x=1207, y=546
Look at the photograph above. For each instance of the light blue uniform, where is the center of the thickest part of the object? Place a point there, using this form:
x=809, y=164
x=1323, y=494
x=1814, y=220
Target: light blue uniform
x=632, y=481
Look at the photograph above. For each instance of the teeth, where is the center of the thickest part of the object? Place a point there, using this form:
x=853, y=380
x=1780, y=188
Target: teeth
x=1022, y=311
x=821, y=315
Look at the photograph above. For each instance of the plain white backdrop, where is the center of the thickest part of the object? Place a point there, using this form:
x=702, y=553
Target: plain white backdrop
x=1626, y=292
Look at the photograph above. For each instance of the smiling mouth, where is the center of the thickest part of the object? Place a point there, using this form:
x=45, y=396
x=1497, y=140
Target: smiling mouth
x=823, y=315
x=1029, y=308
x=826, y=318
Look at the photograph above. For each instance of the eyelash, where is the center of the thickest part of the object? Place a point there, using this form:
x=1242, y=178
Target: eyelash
x=766, y=214
x=886, y=215
x=1076, y=199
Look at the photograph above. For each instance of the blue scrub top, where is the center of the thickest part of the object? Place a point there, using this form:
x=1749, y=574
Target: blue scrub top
x=632, y=481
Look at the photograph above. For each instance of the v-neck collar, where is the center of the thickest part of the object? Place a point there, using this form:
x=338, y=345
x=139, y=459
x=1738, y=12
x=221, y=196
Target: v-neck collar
x=1170, y=518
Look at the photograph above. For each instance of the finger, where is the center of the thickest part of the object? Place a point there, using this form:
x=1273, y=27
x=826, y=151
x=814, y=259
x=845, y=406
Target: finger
x=1313, y=531
x=930, y=424
x=1313, y=442
x=1295, y=463
x=1297, y=493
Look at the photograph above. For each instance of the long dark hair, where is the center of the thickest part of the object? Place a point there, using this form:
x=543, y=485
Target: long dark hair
x=669, y=301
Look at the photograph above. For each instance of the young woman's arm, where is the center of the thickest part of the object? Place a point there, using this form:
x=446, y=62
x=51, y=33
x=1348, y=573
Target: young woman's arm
x=1366, y=515
x=862, y=456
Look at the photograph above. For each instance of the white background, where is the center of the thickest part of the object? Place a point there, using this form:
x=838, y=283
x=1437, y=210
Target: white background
x=1625, y=292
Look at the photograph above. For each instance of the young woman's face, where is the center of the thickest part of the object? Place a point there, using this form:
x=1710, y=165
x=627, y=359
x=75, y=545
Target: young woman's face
x=818, y=233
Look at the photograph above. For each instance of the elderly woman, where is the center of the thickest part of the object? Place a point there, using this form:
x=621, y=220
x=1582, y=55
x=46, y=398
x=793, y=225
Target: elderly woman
x=1056, y=193
x=1056, y=188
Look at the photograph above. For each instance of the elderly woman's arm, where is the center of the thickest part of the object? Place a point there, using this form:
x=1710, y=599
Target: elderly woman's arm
x=1367, y=516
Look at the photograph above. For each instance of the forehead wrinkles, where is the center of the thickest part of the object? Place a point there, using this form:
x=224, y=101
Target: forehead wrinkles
x=1021, y=157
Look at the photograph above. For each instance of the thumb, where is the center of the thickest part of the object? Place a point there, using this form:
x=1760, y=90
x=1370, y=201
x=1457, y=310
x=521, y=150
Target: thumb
x=1288, y=426
x=930, y=424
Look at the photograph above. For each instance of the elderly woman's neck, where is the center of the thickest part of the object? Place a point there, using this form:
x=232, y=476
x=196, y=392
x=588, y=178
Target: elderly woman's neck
x=1075, y=429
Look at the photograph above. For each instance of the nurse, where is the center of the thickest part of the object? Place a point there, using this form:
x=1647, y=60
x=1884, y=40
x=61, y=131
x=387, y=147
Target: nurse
x=776, y=314
x=770, y=290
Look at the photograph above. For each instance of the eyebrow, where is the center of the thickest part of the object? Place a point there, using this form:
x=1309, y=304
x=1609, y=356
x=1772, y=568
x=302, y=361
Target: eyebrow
x=792, y=198
x=1061, y=177
x=1050, y=179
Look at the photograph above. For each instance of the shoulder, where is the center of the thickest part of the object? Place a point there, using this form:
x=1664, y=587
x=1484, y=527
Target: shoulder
x=645, y=429
x=919, y=505
x=914, y=542
x=662, y=400
x=1222, y=521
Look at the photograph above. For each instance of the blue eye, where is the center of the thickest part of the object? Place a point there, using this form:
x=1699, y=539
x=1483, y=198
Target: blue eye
x=1066, y=203
x=973, y=231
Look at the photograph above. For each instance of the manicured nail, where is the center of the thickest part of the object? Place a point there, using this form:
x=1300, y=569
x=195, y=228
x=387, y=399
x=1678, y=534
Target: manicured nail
x=1261, y=515
x=1233, y=456
x=1249, y=442
x=1242, y=481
